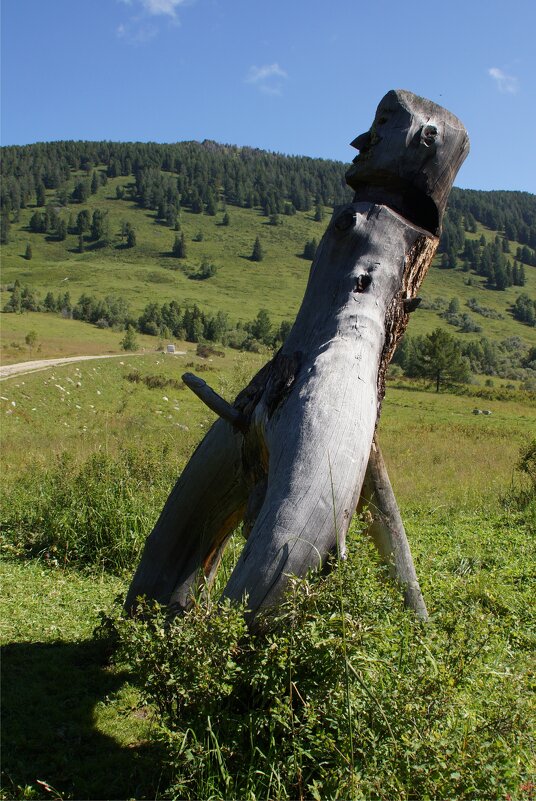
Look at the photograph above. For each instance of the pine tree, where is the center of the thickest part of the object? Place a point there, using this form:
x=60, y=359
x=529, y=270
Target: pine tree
x=4, y=227
x=28, y=253
x=261, y=327
x=40, y=194
x=211, y=207
x=309, y=250
x=81, y=191
x=319, y=213
x=257, y=253
x=94, y=183
x=61, y=230
x=99, y=226
x=225, y=220
x=438, y=357
x=49, y=302
x=83, y=221
x=453, y=260
x=131, y=238
x=37, y=223
x=179, y=247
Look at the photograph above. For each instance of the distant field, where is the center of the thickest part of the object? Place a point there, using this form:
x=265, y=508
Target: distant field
x=57, y=337
x=438, y=452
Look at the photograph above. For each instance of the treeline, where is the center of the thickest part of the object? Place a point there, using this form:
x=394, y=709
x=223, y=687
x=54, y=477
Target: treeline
x=514, y=213
x=494, y=260
x=507, y=359
x=190, y=323
x=166, y=320
x=201, y=174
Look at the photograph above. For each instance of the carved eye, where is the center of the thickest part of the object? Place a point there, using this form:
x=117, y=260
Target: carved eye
x=429, y=132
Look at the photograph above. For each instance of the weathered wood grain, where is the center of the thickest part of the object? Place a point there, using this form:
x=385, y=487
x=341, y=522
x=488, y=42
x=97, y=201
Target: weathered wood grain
x=319, y=432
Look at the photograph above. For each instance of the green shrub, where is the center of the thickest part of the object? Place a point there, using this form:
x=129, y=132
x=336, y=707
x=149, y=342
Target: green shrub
x=339, y=693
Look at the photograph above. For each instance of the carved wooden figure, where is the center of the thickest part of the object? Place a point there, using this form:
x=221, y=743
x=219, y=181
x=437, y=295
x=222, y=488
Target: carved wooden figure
x=296, y=450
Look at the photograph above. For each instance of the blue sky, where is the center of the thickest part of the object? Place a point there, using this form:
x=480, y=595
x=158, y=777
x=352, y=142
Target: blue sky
x=293, y=76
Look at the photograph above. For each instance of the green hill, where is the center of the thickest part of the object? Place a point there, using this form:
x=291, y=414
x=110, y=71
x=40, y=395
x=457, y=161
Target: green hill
x=212, y=202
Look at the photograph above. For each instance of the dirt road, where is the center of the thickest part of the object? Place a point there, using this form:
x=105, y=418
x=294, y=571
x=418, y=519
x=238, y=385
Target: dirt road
x=22, y=368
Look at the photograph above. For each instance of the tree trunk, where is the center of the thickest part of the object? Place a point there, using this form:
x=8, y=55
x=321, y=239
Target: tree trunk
x=290, y=455
x=317, y=412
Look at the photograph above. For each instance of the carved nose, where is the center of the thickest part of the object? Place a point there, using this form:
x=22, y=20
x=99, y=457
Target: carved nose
x=361, y=142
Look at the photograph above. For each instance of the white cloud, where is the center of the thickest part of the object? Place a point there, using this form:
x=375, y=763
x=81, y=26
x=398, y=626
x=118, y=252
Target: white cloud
x=261, y=74
x=162, y=7
x=136, y=31
x=139, y=29
x=267, y=79
x=505, y=83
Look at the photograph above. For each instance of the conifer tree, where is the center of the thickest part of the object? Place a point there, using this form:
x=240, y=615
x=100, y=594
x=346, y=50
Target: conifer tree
x=309, y=250
x=61, y=230
x=49, y=302
x=28, y=253
x=257, y=253
x=438, y=356
x=179, y=247
x=40, y=194
x=83, y=221
x=4, y=227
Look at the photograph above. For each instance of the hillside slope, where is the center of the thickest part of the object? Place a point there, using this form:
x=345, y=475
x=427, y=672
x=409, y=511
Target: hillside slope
x=212, y=202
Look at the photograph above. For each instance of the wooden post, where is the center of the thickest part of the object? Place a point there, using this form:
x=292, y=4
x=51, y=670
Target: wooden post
x=291, y=453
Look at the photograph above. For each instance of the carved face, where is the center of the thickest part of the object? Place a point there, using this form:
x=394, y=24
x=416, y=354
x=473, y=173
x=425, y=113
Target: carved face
x=402, y=138
x=413, y=144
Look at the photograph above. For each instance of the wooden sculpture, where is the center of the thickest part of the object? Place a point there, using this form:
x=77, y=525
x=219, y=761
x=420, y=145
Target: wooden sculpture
x=296, y=450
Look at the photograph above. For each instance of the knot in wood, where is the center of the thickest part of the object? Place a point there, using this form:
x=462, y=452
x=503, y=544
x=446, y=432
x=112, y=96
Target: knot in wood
x=345, y=220
x=362, y=282
x=410, y=304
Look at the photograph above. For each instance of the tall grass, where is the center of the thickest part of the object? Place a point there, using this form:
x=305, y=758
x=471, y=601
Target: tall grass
x=94, y=515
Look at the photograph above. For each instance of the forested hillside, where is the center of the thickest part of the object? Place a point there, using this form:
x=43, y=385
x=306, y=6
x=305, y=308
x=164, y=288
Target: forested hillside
x=202, y=241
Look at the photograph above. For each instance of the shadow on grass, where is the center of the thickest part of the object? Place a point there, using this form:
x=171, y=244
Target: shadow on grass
x=49, y=734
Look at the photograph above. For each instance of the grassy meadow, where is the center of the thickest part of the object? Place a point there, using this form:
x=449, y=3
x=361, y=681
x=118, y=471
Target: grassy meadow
x=91, y=451
x=343, y=694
